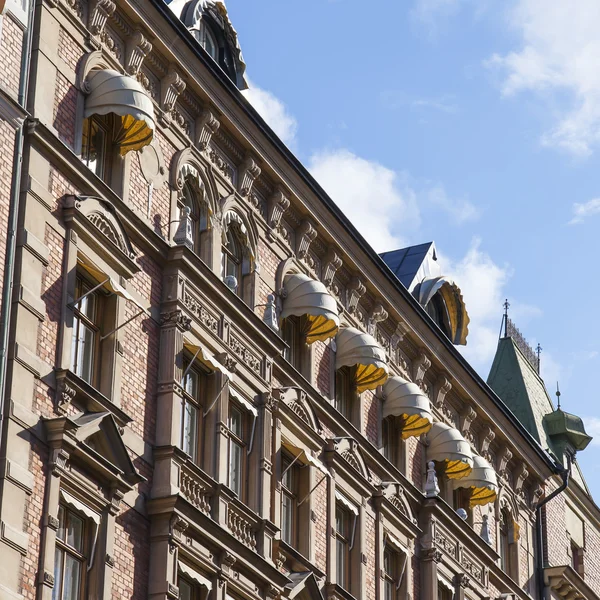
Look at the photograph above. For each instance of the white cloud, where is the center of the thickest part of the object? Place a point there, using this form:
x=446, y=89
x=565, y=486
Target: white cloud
x=460, y=211
x=592, y=427
x=372, y=196
x=560, y=43
x=428, y=12
x=274, y=112
x=582, y=211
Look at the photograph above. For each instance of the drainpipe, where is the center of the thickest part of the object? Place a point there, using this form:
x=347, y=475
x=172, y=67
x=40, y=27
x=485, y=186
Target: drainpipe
x=13, y=216
x=566, y=473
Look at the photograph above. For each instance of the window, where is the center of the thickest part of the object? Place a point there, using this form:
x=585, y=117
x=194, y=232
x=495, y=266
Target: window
x=508, y=549
x=390, y=574
x=444, y=592
x=207, y=40
x=69, y=556
x=188, y=198
x=86, y=330
x=394, y=447
x=344, y=392
x=293, y=334
x=187, y=590
x=193, y=384
x=289, y=500
x=237, y=450
x=97, y=143
x=436, y=309
x=343, y=532
x=577, y=558
x=232, y=261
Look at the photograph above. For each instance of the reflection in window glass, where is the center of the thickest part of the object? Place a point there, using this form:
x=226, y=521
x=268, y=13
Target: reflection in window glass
x=85, y=331
x=69, y=558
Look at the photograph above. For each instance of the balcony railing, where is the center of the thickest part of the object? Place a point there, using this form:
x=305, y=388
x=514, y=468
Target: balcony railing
x=243, y=524
x=196, y=489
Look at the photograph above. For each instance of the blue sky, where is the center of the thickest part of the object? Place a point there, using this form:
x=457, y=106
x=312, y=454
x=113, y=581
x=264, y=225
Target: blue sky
x=475, y=123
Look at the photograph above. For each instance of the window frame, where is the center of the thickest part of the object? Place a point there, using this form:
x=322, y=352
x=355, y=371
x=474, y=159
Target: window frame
x=233, y=256
x=193, y=399
x=240, y=442
x=292, y=493
x=343, y=540
x=390, y=577
x=205, y=31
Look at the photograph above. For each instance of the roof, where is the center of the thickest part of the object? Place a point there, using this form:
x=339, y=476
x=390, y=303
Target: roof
x=513, y=378
x=406, y=262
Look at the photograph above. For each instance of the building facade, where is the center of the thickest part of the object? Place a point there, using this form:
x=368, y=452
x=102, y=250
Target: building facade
x=211, y=386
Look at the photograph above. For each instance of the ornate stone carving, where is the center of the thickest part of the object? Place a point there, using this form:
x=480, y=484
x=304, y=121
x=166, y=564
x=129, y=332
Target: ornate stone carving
x=99, y=11
x=206, y=126
x=398, y=336
x=65, y=394
x=201, y=313
x=331, y=264
x=474, y=570
x=195, y=492
x=244, y=354
x=48, y=579
x=178, y=526
x=171, y=86
x=249, y=171
x=443, y=386
x=521, y=475
x=137, y=48
x=278, y=204
x=115, y=502
x=280, y=560
x=420, y=366
x=53, y=522
x=488, y=437
x=355, y=290
x=503, y=460
x=432, y=554
x=176, y=318
x=110, y=561
x=241, y=528
x=432, y=488
x=378, y=315
x=462, y=580
x=184, y=236
x=467, y=417
x=58, y=461
x=305, y=235
x=536, y=496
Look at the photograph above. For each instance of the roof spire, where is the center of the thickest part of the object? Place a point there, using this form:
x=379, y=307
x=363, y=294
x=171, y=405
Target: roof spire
x=557, y=394
x=506, y=306
x=538, y=351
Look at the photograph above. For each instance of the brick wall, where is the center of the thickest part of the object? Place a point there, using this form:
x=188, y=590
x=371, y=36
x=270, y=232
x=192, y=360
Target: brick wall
x=11, y=44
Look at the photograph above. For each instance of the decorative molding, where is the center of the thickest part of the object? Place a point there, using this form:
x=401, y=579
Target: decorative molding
x=65, y=394
x=176, y=318
x=355, y=290
x=467, y=417
x=305, y=235
x=443, y=386
x=331, y=264
x=432, y=554
x=488, y=438
x=278, y=203
x=522, y=473
x=137, y=48
x=58, y=461
x=503, y=460
x=249, y=171
x=171, y=86
x=109, y=560
x=99, y=11
x=399, y=334
x=48, y=579
x=206, y=126
x=115, y=502
x=432, y=488
x=378, y=315
x=462, y=580
x=420, y=366
x=184, y=236
x=52, y=522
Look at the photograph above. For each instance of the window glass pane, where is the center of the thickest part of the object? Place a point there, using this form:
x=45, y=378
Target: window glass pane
x=189, y=442
x=58, y=567
x=388, y=590
x=185, y=590
x=341, y=562
x=84, y=352
x=72, y=578
x=87, y=306
x=61, y=523
x=287, y=518
x=191, y=383
x=75, y=532
x=235, y=468
x=236, y=422
x=340, y=521
x=94, y=146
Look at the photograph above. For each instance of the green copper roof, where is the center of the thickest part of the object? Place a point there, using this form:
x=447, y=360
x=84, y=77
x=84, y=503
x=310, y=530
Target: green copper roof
x=521, y=389
x=565, y=429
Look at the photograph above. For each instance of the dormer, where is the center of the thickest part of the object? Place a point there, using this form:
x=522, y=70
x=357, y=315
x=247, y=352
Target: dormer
x=208, y=21
x=417, y=267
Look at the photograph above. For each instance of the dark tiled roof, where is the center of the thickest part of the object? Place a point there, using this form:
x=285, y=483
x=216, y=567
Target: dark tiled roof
x=405, y=262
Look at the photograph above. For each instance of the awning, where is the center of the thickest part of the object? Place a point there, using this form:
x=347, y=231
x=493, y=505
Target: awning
x=346, y=503
x=112, y=92
x=243, y=402
x=449, y=448
x=304, y=296
x=482, y=482
x=80, y=507
x=355, y=348
x=108, y=283
x=206, y=357
x=395, y=543
x=407, y=401
x=194, y=575
x=453, y=300
x=304, y=457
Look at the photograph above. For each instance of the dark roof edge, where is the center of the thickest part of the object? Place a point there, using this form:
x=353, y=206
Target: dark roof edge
x=222, y=77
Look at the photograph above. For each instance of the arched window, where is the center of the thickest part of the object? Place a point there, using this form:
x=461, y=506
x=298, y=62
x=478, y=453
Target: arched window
x=232, y=260
x=207, y=40
x=237, y=257
x=508, y=546
x=188, y=198
x=195, y=224
x=437, y=310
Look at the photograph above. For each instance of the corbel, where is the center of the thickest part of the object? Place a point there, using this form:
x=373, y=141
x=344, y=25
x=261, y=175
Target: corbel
x=521, y=475
x=443, y=386
x=137, y=48
x=58, y=461
x=305, y=235
x=488, y=438
x=420, y=366
x=503, y=460
x=100, y=11
x=331, y=264
x=278, y=204
x=171, y=87
x=115, y=502
x=249, y=171
x=378, y=315
x=355, y=290
x=466, y=420
x=176, y=318
x=398, y=336
x=206, y=126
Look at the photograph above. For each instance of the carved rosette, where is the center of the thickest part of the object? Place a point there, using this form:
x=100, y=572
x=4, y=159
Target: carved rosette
x=249, y=171
x=171, y=87
x=206, y=126
x=99, y=12
x=138, y=47
x=355, y=291
x=305, y=235
x=278, y=204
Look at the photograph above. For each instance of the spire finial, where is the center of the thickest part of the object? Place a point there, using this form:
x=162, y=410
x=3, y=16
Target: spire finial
x=506, y=306
x=558, y=395
x=538, y=351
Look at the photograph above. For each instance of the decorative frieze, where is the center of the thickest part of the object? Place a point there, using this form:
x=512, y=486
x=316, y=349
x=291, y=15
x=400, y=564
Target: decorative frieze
x=249, y=171
x=137, y=48
x=244, y=354
x=354, y=292
x=176, y=318
x=305, y=235
x=206, y=126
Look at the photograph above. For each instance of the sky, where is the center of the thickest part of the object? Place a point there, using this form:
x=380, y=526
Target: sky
x=473, y=123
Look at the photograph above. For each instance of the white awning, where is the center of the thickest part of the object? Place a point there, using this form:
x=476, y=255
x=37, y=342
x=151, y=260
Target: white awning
x=453, y=300
x=243, y=402
x=406, y=400
x=355, y=348
x=194, y=575
x=108, y=283
x=482, y=481
x=449, y=448
x=346, y=503
x=304, y=296
x=395, y=543
x=206, y=357
x=112, y=92
x=80, y=507
x=304, y=457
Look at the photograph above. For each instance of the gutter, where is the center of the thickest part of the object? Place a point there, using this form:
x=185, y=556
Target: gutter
x=260, y=123
x=539, y=531
x=13, y=210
